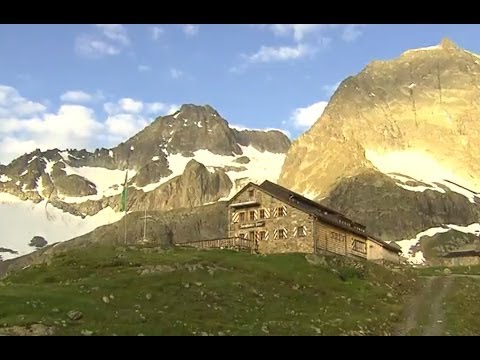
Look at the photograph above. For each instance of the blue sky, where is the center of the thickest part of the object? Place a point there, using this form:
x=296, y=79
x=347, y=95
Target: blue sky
x=96, y=85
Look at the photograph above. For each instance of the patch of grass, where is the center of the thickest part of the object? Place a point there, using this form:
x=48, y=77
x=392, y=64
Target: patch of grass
x=462, y=313
x=207, y=292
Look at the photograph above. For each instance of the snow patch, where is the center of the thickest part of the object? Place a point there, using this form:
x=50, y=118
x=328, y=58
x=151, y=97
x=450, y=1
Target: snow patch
x=104, y=180
x=412, y=85
x=199, y=124
x=33, y=158
x=49, y=166
x=65, y=155
x=43, y=220
x=418, y=257
x=176, y=115
x=24, y=173
x=427, y=48
x=132, y=148
x=420, y=166
x=155, y=158
x=18, y=183
x=262, y=166
x=4, y=178
x=110, y=153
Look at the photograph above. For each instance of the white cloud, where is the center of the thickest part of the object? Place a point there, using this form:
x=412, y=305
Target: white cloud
x=115, y=32
x=156, y=32
x=307, y=116
x=76, y=96
x=144, y=68
x=26, y=125
x=12, y=104
x=175, y=73
x=125, y=125
x=190, y=30
x=71, y=126
x=297, y=31
x=283, y=53
x=110, y=39
x=127, y=105
x=351, y=32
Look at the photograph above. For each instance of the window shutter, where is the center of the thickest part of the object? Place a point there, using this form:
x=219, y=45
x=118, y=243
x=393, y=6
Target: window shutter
x=235, y=217
x=255, y=214
x=304, y=230
x=284, y=210
x=295, y=231
x=275, y=212
x=266, y=235
x=285, y=231
x=275, y=234
x=267, y=213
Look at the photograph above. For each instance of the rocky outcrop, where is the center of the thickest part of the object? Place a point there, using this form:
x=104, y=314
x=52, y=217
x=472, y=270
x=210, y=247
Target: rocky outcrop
x=413, y=117
x=196, y=186
x=408, y=103
x=393, y=213
x=272, y=141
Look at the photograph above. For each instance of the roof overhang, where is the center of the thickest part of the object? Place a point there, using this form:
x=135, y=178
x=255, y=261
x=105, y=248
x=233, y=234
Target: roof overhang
x=244, y=204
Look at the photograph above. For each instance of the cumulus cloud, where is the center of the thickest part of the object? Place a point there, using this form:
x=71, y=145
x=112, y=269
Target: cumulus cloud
x=190, y=30
x=12, y=104
x=107, y=40
x=282, y=53
x=26, y=125
x=76, y=96
x=305, y=117
x=351, y=32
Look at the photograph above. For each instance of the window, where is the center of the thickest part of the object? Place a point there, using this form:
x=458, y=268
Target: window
x=262, y=235
x=301, y=231
x=252, y=215
x=241, y=217
x=337, y=236
x=242, y=235
x=251, y=193
x=282, y=233
x=281, y=211
x=262, y=214
x=359, y=246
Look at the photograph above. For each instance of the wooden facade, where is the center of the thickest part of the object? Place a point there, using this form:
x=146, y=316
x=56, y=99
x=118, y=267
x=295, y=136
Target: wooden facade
x=279, y=221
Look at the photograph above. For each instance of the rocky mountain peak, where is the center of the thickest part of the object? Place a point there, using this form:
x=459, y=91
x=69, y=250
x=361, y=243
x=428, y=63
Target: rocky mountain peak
x=447, y=44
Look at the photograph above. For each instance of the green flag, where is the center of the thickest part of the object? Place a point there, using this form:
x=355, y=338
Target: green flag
x=123, y=206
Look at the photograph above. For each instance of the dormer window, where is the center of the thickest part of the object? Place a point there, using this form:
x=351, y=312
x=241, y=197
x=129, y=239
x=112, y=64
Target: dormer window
x=251, y=193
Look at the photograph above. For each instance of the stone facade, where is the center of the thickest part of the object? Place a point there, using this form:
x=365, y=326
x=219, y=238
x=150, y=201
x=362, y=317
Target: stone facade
x=277, y=227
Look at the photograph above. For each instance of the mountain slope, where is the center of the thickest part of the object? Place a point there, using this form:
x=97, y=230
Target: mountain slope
x=396, y=145
x=186, y=159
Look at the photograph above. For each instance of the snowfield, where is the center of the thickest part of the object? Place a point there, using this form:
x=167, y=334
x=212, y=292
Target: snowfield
x=23, y=220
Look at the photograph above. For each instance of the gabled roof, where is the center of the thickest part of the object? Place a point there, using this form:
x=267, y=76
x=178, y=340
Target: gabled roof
x=315, y=209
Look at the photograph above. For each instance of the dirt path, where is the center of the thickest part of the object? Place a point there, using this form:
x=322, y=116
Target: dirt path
x=424, y=313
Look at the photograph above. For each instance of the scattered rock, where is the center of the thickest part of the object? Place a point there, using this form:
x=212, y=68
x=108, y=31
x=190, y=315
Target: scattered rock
x=38, y=242
x=316, y=259
x=447, y=271
x=105, y=299
x=389, y=295
x=198, y=283
x=148, y=297
x=265, y=329
x=140, y=334
x=296, y=287
x=29, y=330
x=74, y=315
x=221, y=333
x=55, y=310
x=87, y=332
x=186, y=285
x=204, y=333
x=111, y=297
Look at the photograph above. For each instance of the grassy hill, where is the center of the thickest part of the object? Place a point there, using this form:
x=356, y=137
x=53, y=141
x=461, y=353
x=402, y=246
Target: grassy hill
x=106, y=290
